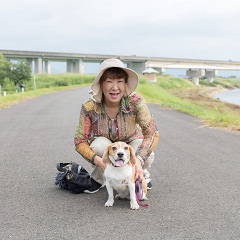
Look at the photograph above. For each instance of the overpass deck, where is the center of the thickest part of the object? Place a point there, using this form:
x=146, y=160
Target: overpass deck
x=195, y=67
x=150, y=61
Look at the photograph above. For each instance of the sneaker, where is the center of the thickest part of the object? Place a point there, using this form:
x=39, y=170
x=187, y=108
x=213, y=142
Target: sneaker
x=149, y=185
x=94, y=188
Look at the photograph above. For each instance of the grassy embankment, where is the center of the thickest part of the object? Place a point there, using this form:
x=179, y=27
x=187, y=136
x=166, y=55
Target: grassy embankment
x=182, y=95
x=169, y=92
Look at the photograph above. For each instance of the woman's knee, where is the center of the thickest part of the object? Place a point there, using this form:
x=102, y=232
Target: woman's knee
x=99, y=144
x=135, y=144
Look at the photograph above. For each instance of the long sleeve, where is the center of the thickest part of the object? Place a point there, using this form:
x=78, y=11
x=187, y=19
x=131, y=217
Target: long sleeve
x=149, y=129
x=83, y=135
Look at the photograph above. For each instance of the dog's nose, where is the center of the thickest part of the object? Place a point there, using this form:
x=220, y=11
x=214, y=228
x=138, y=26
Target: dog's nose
x=120, y=154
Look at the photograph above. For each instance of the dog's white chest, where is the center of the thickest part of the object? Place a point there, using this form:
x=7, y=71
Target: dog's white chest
x=118, y=173
x=119, y=178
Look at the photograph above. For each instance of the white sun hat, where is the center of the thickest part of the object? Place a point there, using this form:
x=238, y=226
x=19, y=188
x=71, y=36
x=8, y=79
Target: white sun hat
x=109, y=63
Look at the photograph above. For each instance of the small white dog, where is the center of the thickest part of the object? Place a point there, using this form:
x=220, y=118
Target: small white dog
x=120, y=172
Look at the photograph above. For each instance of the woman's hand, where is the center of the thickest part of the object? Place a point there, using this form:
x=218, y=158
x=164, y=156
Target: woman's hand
x=138, y=169
x=98, y=162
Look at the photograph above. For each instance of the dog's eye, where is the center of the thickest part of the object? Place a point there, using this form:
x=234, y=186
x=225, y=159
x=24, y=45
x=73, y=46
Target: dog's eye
x=114, y=148
x=126, y=148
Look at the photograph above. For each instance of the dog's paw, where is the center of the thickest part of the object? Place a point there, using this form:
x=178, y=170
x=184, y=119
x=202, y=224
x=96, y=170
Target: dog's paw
x=134, y=205
x=109, y=204
x=144, y=197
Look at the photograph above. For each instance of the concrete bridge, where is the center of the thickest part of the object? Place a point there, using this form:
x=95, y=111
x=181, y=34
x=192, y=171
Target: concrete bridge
x=40, y=62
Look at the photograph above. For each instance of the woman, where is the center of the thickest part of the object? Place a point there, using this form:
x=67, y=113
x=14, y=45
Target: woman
x=115, y=113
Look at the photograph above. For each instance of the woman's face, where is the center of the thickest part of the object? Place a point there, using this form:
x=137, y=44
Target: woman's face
x=113, y=90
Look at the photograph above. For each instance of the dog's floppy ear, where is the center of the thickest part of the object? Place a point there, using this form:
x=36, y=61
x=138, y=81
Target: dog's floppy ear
x=105, y=156
x=132, y=155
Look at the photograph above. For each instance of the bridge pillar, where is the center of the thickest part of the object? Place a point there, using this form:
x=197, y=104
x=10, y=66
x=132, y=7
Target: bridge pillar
x=47, y=67
x=195, y=74
x=75, y=66
x=138, y=67
x=30, y=63
x=69, y=66
x=38, y=65
x=78, y=66
x=210, y=75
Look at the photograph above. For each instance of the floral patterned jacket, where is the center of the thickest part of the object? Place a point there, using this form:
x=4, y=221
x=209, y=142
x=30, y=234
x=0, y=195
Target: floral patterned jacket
x=133, y=121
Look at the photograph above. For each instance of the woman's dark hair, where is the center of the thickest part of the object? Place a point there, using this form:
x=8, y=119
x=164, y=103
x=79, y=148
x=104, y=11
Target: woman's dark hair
x=114, y=73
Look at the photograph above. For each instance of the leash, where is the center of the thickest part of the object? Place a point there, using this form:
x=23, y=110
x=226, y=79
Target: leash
x=139, y=193
x=141, y=204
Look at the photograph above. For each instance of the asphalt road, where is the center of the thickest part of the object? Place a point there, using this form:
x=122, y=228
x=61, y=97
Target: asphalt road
x=195, y=176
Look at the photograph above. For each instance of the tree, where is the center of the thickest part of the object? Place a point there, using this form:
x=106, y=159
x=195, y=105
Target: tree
x=5, y=68
x=20, y=72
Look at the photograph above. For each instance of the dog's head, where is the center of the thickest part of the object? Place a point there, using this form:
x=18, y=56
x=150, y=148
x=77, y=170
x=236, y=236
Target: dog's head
x=119, y=154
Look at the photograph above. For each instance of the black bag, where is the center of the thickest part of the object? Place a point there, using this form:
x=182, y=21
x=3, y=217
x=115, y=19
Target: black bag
x=76, y=179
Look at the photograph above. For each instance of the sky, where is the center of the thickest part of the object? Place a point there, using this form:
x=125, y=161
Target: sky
x=201, y=29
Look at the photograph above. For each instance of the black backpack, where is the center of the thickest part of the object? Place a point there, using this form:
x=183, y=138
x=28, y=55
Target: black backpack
x=76, y=178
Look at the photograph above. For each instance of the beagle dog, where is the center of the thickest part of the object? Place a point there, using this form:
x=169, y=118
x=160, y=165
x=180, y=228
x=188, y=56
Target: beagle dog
x=120, y=172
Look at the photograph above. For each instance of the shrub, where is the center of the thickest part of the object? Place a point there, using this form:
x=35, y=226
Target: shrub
x=61, y=83
x=8, y=86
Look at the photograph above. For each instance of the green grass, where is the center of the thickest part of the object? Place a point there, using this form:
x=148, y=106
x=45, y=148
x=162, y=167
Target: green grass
x=168, y=92
x=168, y=82
x=228, y=82
x=59, y=80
